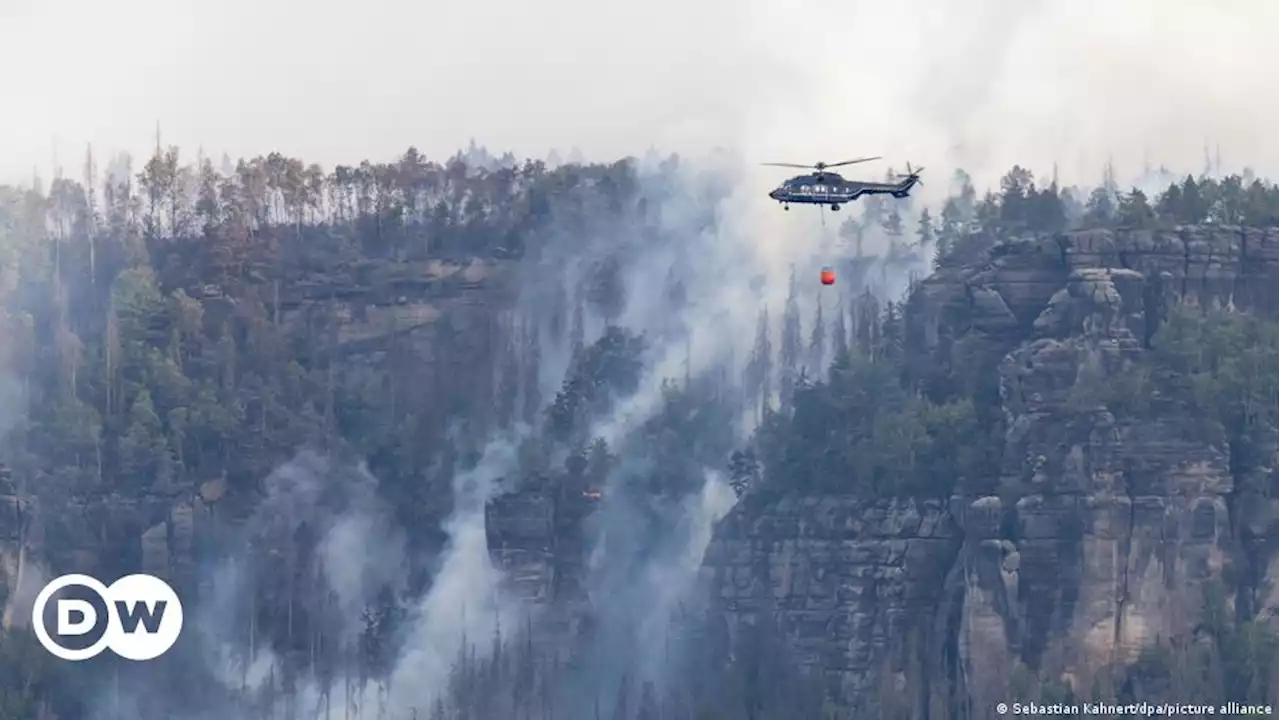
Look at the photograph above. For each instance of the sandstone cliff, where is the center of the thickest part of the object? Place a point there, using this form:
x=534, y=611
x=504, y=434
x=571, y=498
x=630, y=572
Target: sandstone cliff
x=426, y=329
x=1104, y=531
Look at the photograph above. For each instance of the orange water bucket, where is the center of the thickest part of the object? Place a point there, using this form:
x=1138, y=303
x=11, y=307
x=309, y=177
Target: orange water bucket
x=828, y=276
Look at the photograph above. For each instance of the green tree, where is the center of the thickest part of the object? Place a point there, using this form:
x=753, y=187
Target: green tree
x=924, y=230
x=789, y=353
x=1017, y=188
x=1135, y=211
x=144, y=455
x=1100, y=210
x=892, y=223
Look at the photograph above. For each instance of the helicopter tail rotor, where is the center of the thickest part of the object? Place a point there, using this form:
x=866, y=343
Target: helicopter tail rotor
x=912, y=173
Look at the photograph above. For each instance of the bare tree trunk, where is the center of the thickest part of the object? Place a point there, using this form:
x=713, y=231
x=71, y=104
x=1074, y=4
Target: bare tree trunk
x=253, y=640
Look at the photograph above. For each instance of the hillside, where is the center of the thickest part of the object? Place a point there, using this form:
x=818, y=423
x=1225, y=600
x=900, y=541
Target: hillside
x=1052, y=465
x=1126, y=488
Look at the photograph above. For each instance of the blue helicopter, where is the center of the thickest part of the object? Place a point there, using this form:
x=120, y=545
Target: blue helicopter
x=822, y=187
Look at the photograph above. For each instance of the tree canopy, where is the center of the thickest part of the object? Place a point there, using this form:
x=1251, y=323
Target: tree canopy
x=182, y=326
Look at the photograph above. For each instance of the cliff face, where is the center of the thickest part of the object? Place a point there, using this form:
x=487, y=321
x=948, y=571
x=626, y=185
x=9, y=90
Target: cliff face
x=1104, y=531
x=844, y=580
x=425, y=329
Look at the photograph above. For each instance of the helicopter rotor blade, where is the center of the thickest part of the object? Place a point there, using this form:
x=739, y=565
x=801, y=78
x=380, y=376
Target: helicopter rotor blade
x=852, y=162
x=789, y=165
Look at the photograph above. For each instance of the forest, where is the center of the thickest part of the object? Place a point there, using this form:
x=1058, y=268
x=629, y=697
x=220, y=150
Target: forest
x=146, y=354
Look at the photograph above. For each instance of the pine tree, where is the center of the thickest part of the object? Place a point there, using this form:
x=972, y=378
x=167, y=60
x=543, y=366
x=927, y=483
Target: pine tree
x=508, y=379
x=1046, y=211
x=622, y=703
x=817, y=340
x=950, y=230
x=966, y=196
x=789, y=353
x=1134, y=210
x=607, y=292
x=1100, y=210
x=987, y=214
x=759, y=370
x=925, y=231
x=892, y=223
x=559, y=314
x=839, y=332
x=1195, y=202
x=873, y=211
x=143, y=443
x=1016, y=189
x=577, y=332
x=851, y=233
x=1169, y=206
x=530, y=380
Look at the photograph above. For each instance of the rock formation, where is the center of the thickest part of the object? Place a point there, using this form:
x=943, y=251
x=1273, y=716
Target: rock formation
x=1101, y=535
x=429, y=325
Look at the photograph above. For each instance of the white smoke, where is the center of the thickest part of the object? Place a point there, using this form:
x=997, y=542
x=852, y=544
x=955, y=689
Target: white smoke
x=976, y=85
x=670, y=584
x=359, y=549
x=359, y=553
x=722, y=267
x=464, y=599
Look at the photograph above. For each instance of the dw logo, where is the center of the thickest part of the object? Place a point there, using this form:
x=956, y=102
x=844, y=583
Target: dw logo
x=139, y=617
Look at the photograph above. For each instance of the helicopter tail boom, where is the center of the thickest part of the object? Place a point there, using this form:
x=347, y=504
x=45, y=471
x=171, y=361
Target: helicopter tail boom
x=910, y=180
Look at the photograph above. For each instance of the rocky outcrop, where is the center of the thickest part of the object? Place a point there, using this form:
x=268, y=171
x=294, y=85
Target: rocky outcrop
x=15, y=580
x=522, y=539
x=1102, y=532
x=841, y=579
x=1120, y=523
x=363, y=309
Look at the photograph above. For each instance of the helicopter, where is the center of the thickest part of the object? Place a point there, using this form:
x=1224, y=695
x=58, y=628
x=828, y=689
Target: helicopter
x=823, y=187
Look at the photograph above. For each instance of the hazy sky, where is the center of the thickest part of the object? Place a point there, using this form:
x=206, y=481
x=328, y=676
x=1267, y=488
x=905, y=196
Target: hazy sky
x=982, y=83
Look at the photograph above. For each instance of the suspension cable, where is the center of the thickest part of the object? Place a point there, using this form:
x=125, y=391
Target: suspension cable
x=828, y=313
